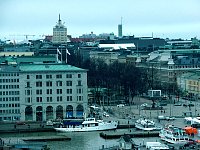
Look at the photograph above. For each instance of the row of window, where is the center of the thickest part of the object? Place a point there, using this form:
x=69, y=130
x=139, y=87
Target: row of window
x=8, y=74
x=58, y=76
x=185, y=66
x=10, y=105
x=194, y=82
x=9, y=86
x=50, y=83
x=8, y=80
x=10, y=111
x=50, y=91
x=9, y=93
x=3, y=99
x=50, y=99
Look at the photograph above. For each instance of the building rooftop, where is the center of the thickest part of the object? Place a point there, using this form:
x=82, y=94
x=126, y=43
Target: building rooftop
x=48, y=67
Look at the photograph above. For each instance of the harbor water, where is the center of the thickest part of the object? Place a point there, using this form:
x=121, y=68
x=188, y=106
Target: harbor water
x=79, y=140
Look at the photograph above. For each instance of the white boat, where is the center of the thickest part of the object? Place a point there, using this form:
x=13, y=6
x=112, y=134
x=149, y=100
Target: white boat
x=174, y=135
x=146, y=124
x=156, y=146
x=89, y=124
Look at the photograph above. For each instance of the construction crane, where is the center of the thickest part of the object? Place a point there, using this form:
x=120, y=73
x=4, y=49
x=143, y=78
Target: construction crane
x=26, y=35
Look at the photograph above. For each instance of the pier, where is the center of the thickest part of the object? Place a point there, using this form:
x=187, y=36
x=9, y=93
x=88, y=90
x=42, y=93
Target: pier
x=132, y=132
x=46, y=138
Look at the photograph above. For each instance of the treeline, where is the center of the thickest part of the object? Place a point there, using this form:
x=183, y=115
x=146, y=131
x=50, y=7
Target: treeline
x=121, y=81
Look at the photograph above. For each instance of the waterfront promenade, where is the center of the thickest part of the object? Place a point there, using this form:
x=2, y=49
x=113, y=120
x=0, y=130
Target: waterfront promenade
x=125, y=115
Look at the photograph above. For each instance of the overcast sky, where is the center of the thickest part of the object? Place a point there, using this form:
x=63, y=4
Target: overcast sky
x=163, y=18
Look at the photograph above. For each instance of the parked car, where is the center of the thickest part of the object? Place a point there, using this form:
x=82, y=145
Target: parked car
x=185, y=105
x=161, y=117
x=49, y=123
x=144, y=105
x=177, y=104
x=191, y=105
x=120, y=105
x=106, y=115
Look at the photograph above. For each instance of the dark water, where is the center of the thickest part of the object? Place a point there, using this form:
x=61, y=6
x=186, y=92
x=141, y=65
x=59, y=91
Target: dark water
x=79, y=141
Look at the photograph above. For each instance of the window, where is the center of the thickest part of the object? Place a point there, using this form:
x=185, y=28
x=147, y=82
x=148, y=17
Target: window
x=68, y=75
x=28, y=92
x=48, y=76
x=59, y=91
x=27, y=84
x=58, y=76
x=68, y=83
x=79, y=91
x=38, y=76
x=28, y=100
x=79, y=83
x=49, y=83
x=58, y=83
x=49, y=91
x=79, y=75
x=69, y=98
x=39, y=84
x=39, y=99
x=69, y=91
x=79, y=98
x=49, y=99
x=59, y=98
x=39, y=92
x=28, y=76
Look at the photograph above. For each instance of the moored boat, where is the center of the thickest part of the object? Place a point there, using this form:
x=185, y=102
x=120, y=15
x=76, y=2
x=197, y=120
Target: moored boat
x=146, y=124
x=173, y=135
x=89, y=124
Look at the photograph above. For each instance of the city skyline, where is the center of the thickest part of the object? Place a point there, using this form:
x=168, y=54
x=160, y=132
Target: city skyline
x=165, y=19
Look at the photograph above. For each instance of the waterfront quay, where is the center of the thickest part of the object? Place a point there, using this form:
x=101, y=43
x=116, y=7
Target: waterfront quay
x=126, y=116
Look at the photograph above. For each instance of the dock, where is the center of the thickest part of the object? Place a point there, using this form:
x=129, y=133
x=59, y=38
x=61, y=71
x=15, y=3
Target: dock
x=132, y=132
x=46, y=138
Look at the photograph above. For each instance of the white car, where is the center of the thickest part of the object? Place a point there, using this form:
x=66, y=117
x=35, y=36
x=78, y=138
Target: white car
x=120, y=105
x=49, y=123
x=106, y=115
x=144, y=105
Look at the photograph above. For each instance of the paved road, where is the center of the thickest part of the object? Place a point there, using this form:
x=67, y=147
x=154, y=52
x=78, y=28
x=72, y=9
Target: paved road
x=126, y=114
x=131, y=113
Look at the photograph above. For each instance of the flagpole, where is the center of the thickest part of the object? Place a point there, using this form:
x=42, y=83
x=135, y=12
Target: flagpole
x=66, y=56
x=61, y=55
x=67, y=53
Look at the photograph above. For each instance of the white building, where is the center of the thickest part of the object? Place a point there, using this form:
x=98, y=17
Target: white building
x=59, y=33
x=40, y=92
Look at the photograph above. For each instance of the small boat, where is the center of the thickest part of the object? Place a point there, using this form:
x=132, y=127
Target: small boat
x=174, y=135
x=89, y=124
x=146, y=124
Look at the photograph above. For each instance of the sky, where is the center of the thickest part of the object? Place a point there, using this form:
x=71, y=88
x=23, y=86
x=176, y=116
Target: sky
x=160, y=18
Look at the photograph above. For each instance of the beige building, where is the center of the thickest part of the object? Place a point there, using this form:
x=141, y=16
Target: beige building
x=189, y=84
x=39, y=92
x=59, y=33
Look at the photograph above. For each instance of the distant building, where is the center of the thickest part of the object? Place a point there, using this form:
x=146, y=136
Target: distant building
x=59, y=33
x=189, y=84
x=88, y=36
x=120, y=30
x=107, y=57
